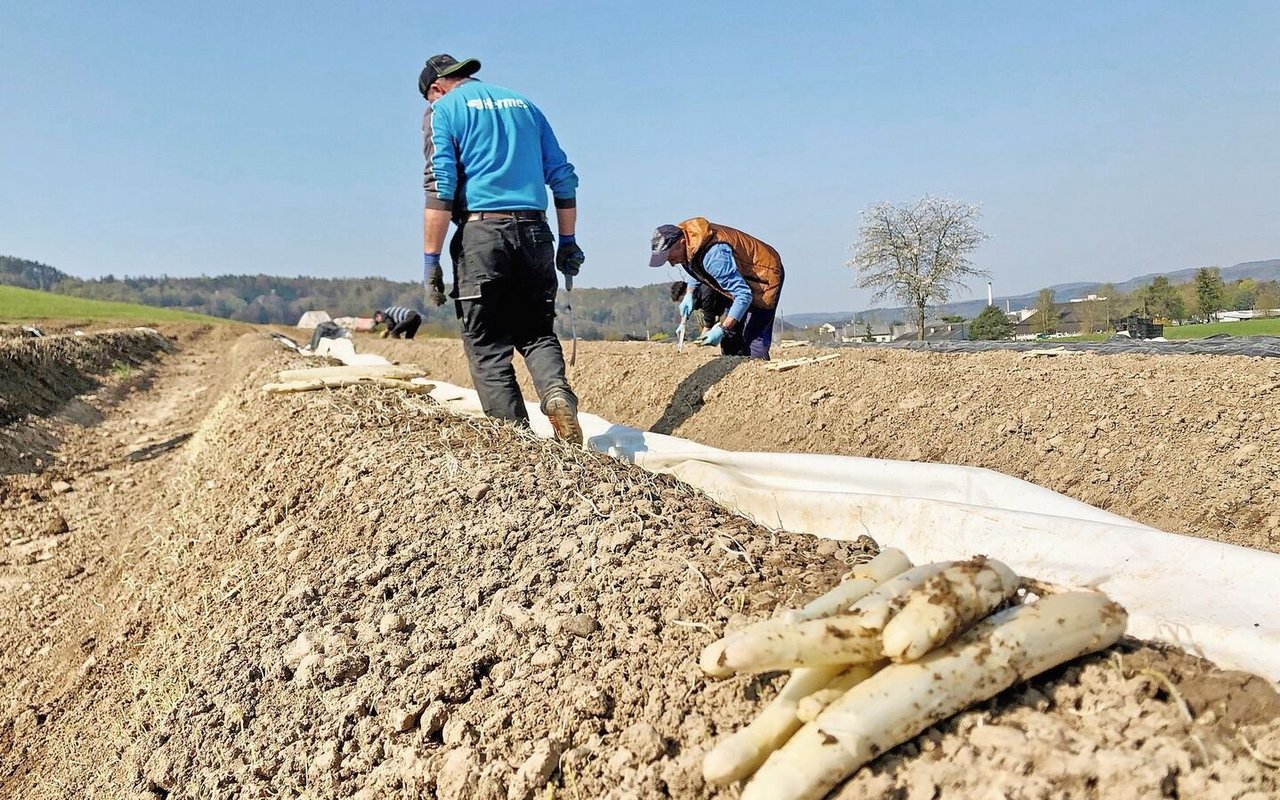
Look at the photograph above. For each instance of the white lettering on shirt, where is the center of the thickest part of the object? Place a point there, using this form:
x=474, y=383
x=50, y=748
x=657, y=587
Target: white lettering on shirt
x=489, y=104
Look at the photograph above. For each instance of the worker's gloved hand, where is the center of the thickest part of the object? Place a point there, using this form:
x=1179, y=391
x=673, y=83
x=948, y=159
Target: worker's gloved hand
x=712, y=336
x=385, y=334
x=433, y=278
x=686, y=305
x=569, y=257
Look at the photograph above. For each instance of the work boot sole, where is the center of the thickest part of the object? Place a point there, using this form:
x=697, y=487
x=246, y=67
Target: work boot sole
x=564, y=420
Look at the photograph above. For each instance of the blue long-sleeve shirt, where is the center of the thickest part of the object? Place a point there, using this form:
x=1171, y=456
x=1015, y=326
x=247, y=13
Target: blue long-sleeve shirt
x=490, y=149
x=719, y=264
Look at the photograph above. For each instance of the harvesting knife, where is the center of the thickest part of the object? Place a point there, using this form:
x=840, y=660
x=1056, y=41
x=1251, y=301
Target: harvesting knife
x=573, y=326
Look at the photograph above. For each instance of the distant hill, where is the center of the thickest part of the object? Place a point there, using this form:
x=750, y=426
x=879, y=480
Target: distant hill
x=1268, y=270
x=614, y=313
x=246, y=298
x=19, y=305
x=29, y=274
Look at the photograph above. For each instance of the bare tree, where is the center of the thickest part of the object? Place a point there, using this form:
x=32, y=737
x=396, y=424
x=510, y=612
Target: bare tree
x=918, y=253
x=1046, y=312
x=1268, y=297
x=1092, y=314
x=1117, y=303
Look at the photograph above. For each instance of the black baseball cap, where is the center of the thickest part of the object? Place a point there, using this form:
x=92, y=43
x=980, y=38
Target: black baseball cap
x=445, y=66
x=665, y=237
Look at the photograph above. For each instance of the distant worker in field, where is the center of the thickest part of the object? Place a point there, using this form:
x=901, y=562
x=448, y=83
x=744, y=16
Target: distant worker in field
x=400, y=321
x=740, y=268
x=706, y=302
x=490, y=157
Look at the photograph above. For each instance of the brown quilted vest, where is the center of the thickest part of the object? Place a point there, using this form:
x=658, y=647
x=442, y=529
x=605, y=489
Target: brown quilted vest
x=759, y=264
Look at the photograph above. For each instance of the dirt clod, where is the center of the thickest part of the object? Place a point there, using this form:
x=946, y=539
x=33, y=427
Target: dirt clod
x=391, y=623
x=536, y=770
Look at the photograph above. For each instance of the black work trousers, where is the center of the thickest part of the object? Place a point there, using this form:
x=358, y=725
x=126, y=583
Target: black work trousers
x=505, y=294
x=408, y=328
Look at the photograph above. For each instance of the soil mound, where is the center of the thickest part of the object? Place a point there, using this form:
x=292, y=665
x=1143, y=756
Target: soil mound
x=40, y=377
x=354, y=594
x=1187, y=444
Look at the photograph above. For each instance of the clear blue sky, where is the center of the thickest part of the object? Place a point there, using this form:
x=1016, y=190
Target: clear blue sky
x=1104, y=140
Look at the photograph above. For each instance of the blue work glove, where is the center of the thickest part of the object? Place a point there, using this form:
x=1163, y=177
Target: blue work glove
x=569, y=257
x=686, y=305
x=433, y=278
x=712, y=336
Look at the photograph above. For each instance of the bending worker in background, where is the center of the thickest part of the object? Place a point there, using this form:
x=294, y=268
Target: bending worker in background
x=490, y=157
x=399, y=321
x=741, y=268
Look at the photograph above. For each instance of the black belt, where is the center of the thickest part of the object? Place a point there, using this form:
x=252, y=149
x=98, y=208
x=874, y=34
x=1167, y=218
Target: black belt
x=478, y=215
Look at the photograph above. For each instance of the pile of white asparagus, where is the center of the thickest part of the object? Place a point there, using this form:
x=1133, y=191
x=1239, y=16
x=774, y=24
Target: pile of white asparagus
x=888, y=652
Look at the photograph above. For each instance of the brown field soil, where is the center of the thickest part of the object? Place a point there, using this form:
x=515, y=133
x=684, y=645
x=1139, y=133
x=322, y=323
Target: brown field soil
x=1187, y=444
x=351, y=593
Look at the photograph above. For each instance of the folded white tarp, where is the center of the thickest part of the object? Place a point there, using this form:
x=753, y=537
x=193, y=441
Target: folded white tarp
x=1217, y=600
x=344, y=350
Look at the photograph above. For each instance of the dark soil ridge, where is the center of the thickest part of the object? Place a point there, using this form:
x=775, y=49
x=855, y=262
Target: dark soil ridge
x=39, y=375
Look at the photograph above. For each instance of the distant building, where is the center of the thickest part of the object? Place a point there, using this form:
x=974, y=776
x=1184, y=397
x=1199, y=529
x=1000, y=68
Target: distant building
x=857, y=331
x=938, y=331
x=1071, y=319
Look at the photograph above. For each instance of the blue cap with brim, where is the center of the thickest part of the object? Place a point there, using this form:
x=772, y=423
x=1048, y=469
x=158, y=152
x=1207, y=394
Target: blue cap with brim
x=665, y=237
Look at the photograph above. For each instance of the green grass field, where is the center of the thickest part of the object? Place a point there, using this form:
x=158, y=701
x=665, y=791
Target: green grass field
x=1245, y=327
x=27, y=305
x=1248, y=327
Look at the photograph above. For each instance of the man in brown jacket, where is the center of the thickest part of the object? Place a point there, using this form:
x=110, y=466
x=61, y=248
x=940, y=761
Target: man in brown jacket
x=741, y=268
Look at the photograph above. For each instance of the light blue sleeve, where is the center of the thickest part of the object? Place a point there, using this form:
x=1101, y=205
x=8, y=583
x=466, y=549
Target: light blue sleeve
x=721, y=266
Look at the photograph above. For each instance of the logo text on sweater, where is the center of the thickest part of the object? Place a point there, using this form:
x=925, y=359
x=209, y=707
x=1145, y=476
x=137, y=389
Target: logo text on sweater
x=490, y=104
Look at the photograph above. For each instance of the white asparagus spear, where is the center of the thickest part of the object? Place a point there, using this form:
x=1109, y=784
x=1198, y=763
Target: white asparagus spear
x=947, y=604
x=850, y=638
x=901, y=700
x=808, y=709
x=742, y=752
x=860, y=580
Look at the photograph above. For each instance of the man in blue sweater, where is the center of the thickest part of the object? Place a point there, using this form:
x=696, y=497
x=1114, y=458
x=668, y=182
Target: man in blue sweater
x=490, y=156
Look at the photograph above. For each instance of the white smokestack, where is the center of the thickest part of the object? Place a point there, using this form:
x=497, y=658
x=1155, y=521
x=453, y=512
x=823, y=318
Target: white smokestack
x=990, y=302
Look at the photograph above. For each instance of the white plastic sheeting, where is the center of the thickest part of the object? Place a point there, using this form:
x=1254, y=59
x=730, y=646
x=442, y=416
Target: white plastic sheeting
x=310, y=319
x=345, y=351
x=1216, y=600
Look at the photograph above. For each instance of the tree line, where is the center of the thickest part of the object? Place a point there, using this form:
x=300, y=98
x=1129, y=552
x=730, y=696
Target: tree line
x=1200, y=300
x=617, y=313
x=918, y=253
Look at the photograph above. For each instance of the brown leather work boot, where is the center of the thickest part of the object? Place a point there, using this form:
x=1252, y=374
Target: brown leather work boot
x=564, y=418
